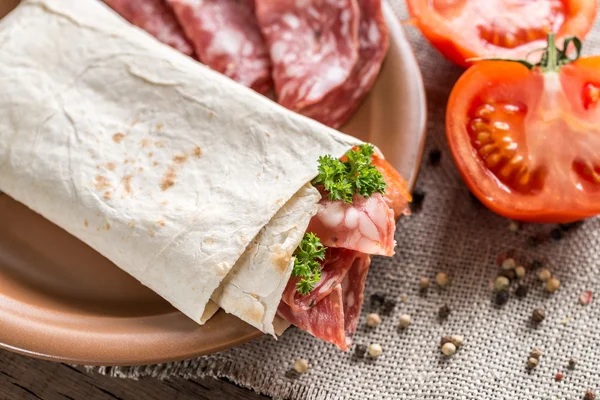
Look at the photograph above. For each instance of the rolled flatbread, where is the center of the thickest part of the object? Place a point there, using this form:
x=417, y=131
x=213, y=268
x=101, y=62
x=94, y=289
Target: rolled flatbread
x=188, y=181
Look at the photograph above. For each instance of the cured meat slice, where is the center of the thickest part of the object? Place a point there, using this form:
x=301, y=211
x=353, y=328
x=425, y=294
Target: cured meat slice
x=226, y=37
x=334, y=268
x=313, y=46
x=367, y=225
x=156, y=18
x=335, y=317
x=324, y=321
x=339, y=105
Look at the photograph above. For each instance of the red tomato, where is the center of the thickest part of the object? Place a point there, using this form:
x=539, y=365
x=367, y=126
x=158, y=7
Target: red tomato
x=464, y=29
x=527, y=142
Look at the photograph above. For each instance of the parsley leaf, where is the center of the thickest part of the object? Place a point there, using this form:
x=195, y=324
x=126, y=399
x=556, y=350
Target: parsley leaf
x=306, y=263
x=342, y=179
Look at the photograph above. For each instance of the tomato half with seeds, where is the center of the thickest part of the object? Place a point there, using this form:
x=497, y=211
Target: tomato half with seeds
x=527, y=140
x=464, y=29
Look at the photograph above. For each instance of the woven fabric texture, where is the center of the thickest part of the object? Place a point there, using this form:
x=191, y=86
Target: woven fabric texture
x=455, y=234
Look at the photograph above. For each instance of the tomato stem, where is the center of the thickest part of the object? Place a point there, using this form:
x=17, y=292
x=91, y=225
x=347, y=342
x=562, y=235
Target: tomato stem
x=552, y=59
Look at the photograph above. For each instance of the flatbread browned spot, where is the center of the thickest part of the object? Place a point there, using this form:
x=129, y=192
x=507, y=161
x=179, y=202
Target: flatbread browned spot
x=129, y=161
x=151, y=154
x=164, y=203
x=127, y=183
x=102, y=182
x=131, y=224
x=162, y=222
x=118, y=137
x=159, y=127
x=168, y=180
x=281, y=261
x=180, y=159
x=85, y=223
x=107, y=226
x=111, y=166
x=197, y=152
x=145, y=142
x=155, y=163
x=107, y=195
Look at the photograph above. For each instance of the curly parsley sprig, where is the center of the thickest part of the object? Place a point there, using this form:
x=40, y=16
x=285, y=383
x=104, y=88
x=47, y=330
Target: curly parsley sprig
x=355, y=175
x=306, y=263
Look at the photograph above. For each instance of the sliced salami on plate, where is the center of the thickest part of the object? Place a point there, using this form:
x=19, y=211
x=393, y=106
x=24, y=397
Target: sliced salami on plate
x=313, y=46
x=156, y=18
x=226, y=37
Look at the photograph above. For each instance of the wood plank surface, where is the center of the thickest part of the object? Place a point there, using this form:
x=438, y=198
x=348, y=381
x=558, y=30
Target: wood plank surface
x=27, y=378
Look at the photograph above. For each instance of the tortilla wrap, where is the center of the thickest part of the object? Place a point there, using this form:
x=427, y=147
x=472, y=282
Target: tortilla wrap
x=168, y=169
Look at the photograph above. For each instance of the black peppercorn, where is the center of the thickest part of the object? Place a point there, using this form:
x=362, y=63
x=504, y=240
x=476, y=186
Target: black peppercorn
x=360, y=350
x=570, y=226
x=388, y=306
x=501, y=298
x=444, y=311
x=572, y=363
x=418, y=196
x=377, y=300
x=556, y=234
x=536, y=264
x=508, y=273
x=435, y=157
x=521, y=291
x=538, y=315
x=589, y=395
x=533, y=241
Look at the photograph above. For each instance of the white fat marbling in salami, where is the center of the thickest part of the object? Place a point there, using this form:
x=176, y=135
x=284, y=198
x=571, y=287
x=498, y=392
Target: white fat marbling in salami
x=339, y=105
x=313, y=46
x=155, y=17
x=226, y=37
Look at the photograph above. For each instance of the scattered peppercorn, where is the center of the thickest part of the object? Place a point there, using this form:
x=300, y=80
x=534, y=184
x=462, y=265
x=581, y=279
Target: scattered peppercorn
x=508, y=273
x=501, y=298
x=418, y=196
x=535, y=264
x=424, y=283
x=448, y=349
x=586, y=298
x=589, y=395
x=442, y=280
x=570, y=226
x=521, y=291
x=558, y=377
x=457, y=340
x=405, y=321
x=444, y=340
x=533, y=241
x=536, y=353
x=301, y=366
x=388, y=306
x=556, y=234
x=520, y=271
x=501, y=284
x=572, y=363
x=552, y=285
x=513, y=226
x=544, y=274
x=435, y=156
x=509, y=263
x=538, y=315
x=444, y=311
x=375, y=350
x=532, y=362
x=360, y=350
x=373, y=320
x=377, y=300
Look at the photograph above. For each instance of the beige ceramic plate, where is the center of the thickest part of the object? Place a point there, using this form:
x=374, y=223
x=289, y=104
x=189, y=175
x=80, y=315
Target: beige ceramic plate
x=56, y=304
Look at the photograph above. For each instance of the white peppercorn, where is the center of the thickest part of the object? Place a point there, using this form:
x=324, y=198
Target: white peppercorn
x=448, y=349
x=442, y=280
x=301, y=366
x=373, y=320
x=375, y=350
x=405, y=321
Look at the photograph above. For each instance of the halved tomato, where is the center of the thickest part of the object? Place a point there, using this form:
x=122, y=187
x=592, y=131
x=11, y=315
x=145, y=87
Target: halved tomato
x=527, y=141
x=464, y=29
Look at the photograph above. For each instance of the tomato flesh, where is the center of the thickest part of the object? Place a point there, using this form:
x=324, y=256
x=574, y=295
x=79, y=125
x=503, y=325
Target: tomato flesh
x=463, y=29
x=528, y=142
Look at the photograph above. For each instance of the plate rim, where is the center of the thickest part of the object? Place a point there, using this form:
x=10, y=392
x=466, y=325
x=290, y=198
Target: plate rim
x=247, y=334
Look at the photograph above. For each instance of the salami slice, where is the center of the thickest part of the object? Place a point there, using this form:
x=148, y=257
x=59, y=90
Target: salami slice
x=334, y=268
x=339, y=105
x=335, y=317
x=156, y=18
x=226, y=37
x=313, y=46
x=367, y=225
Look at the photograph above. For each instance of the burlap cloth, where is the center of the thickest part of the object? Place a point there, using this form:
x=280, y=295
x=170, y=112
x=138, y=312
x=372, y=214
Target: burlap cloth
x=450, y=233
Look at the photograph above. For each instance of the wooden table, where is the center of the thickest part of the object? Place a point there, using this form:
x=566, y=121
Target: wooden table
x=27, y=378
